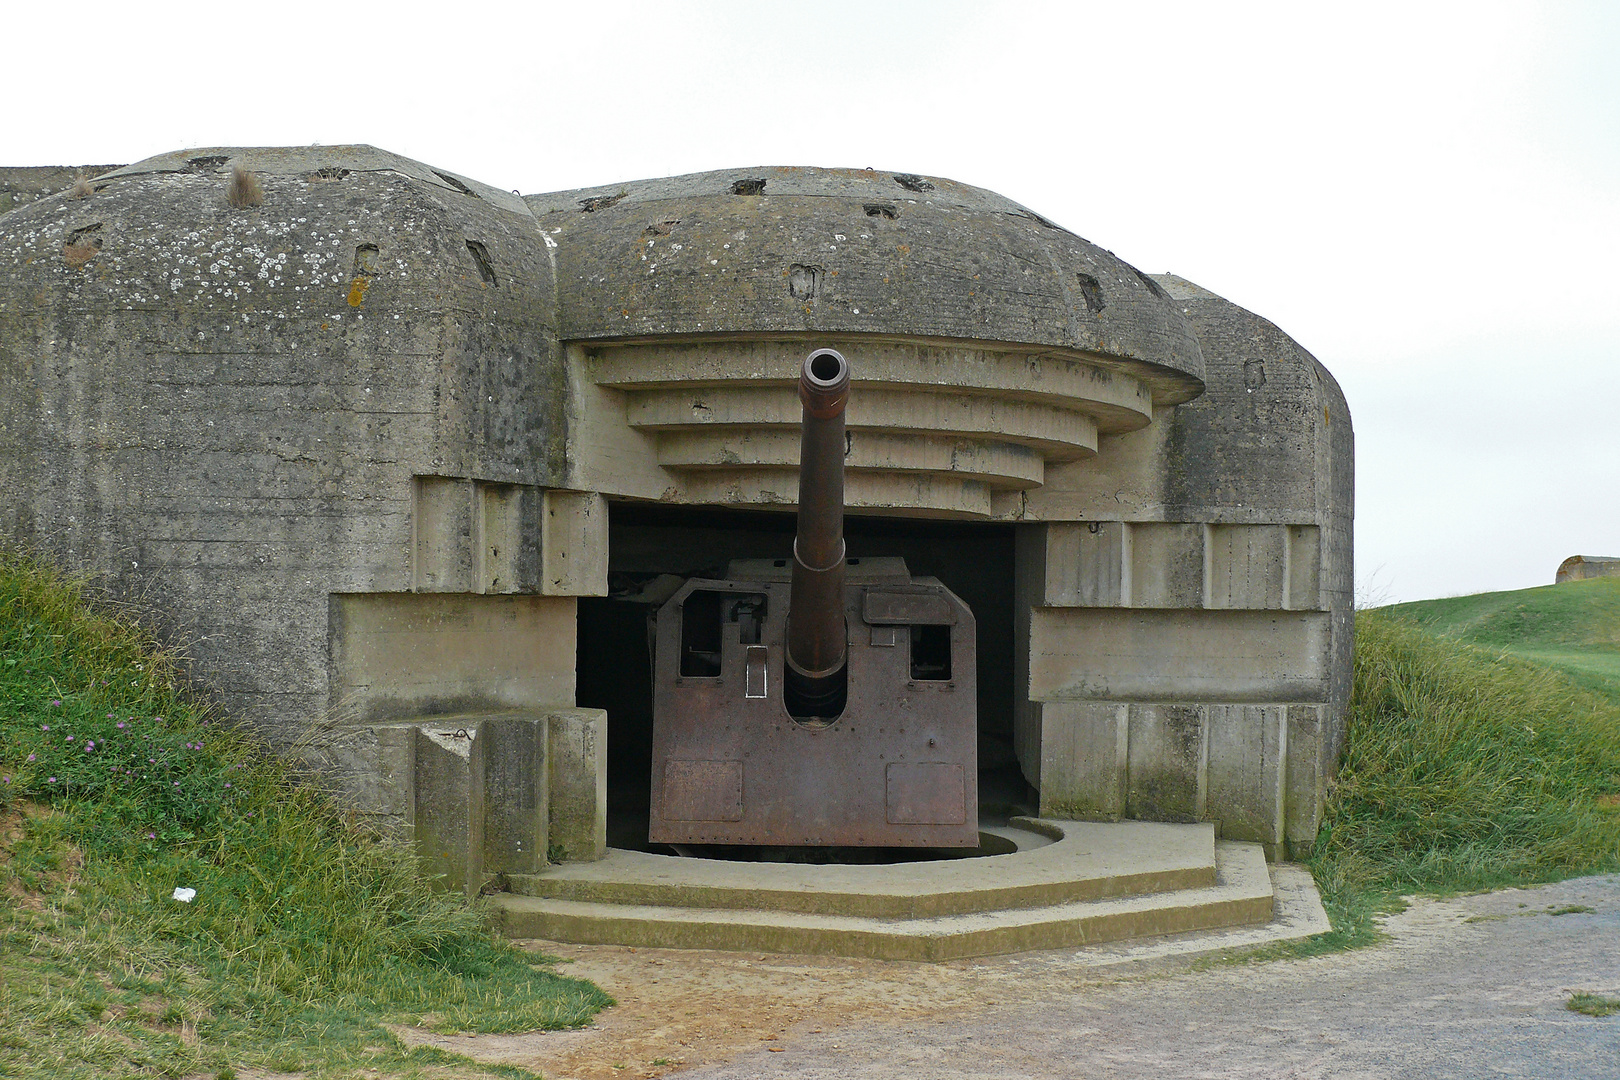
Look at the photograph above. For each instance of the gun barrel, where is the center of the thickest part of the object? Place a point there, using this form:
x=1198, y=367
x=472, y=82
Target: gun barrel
x=815, y=631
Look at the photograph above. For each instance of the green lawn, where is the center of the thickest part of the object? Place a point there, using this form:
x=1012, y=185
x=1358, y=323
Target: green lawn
x=1574, y=627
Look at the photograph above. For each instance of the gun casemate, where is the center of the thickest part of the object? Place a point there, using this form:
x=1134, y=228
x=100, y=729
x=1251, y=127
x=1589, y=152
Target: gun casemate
x=832, y=701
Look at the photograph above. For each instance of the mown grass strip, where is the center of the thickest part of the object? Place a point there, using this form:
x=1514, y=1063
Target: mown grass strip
x=1574, y=627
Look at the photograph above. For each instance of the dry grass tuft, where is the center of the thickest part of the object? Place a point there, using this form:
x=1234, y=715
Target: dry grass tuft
x=82, y=188
x=244, y=189
x=77, y=255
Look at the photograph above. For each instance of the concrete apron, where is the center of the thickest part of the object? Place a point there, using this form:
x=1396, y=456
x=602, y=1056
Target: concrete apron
x=1068, y=884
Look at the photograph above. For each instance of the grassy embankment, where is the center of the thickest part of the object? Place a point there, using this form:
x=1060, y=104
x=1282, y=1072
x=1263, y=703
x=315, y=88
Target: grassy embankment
x=305, y=936
x=1483, y=751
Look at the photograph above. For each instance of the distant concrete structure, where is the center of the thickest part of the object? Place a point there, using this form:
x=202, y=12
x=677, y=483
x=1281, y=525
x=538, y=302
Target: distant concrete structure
x=399, y=459
x=1582, y=567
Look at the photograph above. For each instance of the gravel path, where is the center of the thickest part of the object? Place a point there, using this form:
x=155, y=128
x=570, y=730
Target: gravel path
x=1470, y=987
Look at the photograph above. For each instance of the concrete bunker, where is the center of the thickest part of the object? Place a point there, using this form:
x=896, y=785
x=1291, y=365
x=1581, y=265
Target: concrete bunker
x=393, y=449
x=1584, y=567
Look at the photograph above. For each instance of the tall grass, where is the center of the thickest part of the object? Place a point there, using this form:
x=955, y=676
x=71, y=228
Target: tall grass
x=1465, y=768
x=305, y=933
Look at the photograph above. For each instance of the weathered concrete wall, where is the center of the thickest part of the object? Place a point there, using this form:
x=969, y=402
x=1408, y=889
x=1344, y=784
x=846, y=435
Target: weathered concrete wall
x=225, y=410
x=1189, y=645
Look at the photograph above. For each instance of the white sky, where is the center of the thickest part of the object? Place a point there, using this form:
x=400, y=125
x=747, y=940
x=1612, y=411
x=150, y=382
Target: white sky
x=1425, y=195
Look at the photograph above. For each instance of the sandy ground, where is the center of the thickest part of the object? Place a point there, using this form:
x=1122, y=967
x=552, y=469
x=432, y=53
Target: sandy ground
x=1469, y=987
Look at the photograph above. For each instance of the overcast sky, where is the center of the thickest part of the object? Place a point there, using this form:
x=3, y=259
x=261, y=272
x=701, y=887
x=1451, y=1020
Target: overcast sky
x=1425, y=195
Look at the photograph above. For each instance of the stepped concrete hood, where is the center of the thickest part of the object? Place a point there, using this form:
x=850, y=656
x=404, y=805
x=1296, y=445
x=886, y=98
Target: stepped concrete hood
x=349, y=429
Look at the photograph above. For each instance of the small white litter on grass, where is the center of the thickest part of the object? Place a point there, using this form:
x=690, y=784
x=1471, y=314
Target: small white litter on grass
x=184, y=895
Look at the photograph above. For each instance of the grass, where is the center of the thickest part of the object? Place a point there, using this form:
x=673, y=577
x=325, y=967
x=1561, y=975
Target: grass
x=306, y=935
x=1592, y=1004
x=1574, y=627
x=1467, y=767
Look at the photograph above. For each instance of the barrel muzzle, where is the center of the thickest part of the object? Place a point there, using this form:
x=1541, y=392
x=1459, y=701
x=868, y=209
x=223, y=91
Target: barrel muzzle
x=824, y=383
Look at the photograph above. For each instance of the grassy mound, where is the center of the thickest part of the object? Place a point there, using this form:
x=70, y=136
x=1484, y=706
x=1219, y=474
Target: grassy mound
x=1574, y=627
x=304, y=935
x=1466, y=767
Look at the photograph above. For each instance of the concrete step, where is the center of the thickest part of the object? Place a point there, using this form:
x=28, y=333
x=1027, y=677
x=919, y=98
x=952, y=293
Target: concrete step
x=1056, y=862
x=1241, y=894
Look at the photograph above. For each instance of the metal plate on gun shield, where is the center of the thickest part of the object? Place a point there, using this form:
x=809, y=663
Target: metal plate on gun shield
x=897, y=769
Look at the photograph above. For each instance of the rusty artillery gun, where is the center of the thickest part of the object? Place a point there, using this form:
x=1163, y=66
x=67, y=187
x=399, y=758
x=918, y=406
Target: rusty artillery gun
x=829, y=703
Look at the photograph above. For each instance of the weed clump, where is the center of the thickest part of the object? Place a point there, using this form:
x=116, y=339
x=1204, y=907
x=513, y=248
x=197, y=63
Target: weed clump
x=243, y=189
x=304, y=934
x=1592, y=1004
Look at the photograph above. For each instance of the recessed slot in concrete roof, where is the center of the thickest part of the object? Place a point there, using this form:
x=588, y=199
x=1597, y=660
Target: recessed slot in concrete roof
x=480, y=256
x=598, y=202
x=804, y=282
x=1254, y=375
x=205, y=164
x=81, y=245
x=660, y=228
x=329, y=172
x=882, y=210
x=365, y=260
x=912, y=183
x=1091, y=292
x=457, y=184
x=749, y=186
x=1152, y=286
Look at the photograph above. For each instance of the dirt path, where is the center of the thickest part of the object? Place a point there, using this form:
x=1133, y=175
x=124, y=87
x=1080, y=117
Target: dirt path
x=1469, y=987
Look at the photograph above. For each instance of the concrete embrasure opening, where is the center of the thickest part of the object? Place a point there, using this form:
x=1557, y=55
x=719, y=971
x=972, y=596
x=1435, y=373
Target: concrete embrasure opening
x=652, y=549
